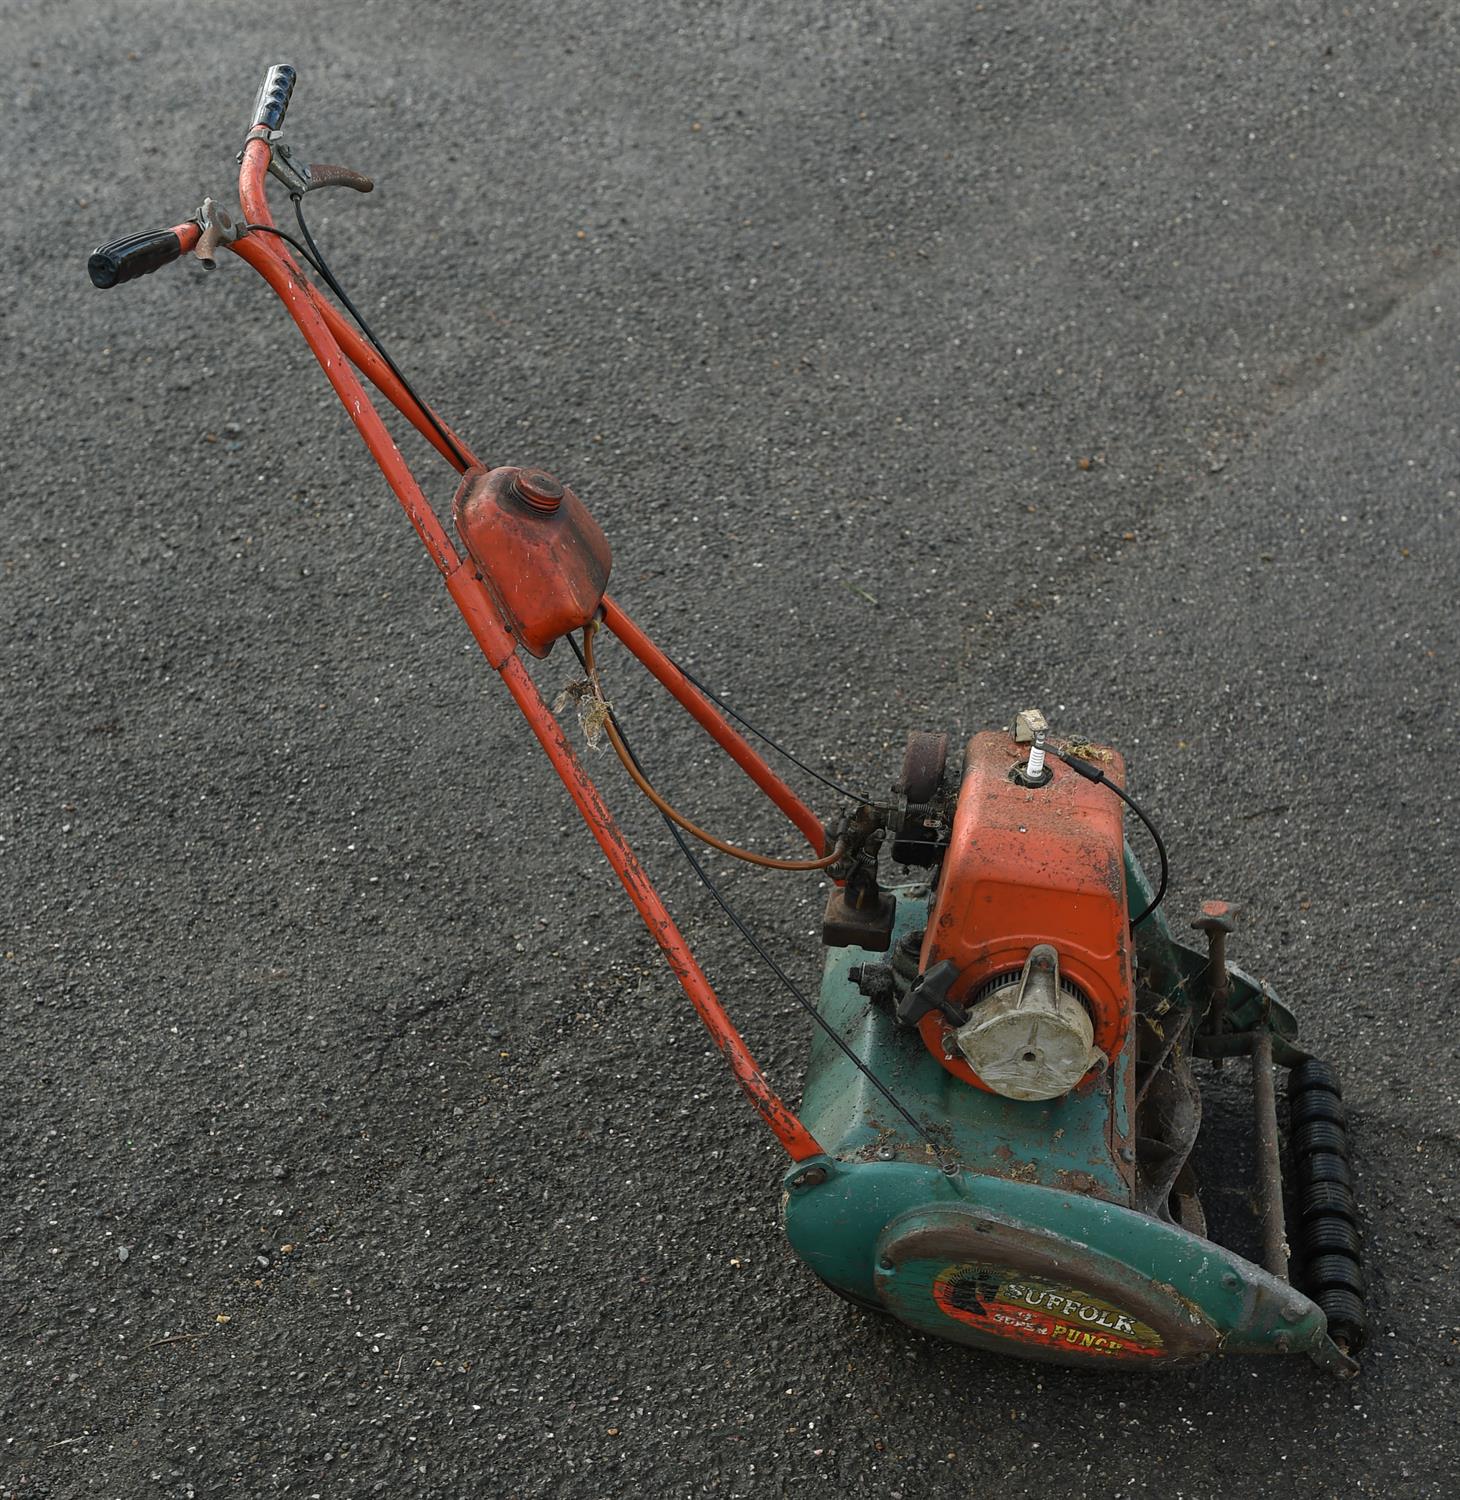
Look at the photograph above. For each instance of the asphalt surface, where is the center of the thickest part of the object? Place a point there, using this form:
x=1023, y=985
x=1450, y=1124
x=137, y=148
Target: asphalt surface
x=920, y=363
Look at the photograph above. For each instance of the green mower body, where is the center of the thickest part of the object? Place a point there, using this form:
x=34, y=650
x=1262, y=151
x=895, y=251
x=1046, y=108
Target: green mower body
x=1053, y=1229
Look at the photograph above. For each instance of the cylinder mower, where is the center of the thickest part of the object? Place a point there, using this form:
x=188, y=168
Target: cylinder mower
x=995, y=1140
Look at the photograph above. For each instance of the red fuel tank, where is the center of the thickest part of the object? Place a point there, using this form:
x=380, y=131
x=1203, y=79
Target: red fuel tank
x=542, y=556
x=1031, y=865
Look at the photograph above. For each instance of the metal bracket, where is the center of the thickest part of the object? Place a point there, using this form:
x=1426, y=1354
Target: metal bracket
x=258, y=133
x=294, y=175
x=220, y=227
x=1217, y=919
x=301, y=177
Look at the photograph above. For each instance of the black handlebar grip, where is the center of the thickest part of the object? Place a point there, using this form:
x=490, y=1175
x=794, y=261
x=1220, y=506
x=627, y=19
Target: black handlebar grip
x=125, y=260
x=273, y=98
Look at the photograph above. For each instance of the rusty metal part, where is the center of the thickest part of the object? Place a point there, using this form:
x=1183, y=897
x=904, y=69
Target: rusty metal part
x=538, y=488
x=1285, y=1053
x=1269, y=1163
x=1167, y=1115
x=860, y=835
x=1216, y=920
x=1178, y=1029
x=1186, y=1209
x=220, y=227
x=324, y=174
x=906, y=957
x=922, y=799
x=876, y=982
x=257, y=133
x=923, y=763
x=860, y=914
x=307, y=177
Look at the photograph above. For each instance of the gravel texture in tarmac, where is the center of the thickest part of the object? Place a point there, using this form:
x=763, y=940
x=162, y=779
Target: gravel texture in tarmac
x=920, y=362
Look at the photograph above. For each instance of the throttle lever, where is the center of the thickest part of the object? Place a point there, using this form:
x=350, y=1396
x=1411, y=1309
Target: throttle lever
x=321, y=174
x=219, y=228
x=301, y=177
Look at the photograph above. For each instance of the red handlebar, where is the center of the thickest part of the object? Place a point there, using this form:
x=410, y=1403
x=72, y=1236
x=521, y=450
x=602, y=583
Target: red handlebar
x=341, y=351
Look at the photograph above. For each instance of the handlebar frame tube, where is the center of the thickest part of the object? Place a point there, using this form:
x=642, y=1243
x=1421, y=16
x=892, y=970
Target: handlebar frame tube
x=253, y=199
x=714, y=723
x=338, y=348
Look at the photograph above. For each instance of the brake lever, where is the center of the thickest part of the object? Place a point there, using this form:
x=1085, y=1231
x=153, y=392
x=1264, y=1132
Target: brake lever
x=320, y=174
x=303, y=177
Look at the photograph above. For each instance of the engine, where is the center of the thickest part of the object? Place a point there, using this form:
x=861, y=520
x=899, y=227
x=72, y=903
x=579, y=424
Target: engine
x=1027, y=934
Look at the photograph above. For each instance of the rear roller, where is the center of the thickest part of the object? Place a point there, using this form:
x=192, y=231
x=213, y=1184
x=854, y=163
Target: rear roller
x=1328, y=1237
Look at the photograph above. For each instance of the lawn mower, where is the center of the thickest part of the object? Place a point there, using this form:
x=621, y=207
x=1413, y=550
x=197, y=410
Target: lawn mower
x=996, y=1133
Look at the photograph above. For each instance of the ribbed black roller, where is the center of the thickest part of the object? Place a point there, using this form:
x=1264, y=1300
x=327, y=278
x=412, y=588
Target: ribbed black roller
x=1348, y=1327
x=1315, y=1104
x=1313, y=1074
x=1330, y=1234
x=1320, y=1135
x=1327, y=1166
x=1329, y=1198
x=1326, y=1271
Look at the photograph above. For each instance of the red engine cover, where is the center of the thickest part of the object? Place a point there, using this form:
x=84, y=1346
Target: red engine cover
x=1028, y=865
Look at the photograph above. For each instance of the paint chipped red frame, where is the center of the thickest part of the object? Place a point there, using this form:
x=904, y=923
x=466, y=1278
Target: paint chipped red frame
x=338, y=347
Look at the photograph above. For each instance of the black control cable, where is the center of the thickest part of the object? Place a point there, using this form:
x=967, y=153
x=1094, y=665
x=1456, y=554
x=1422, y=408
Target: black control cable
x=289, y=240
x=761, y=735
x=949, y=1166
x=1092, y=772
x=320, y=264
x=826, y=781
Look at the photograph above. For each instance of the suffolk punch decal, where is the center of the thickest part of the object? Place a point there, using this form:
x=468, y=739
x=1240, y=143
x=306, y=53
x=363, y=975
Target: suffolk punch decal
x=1008, y=1304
